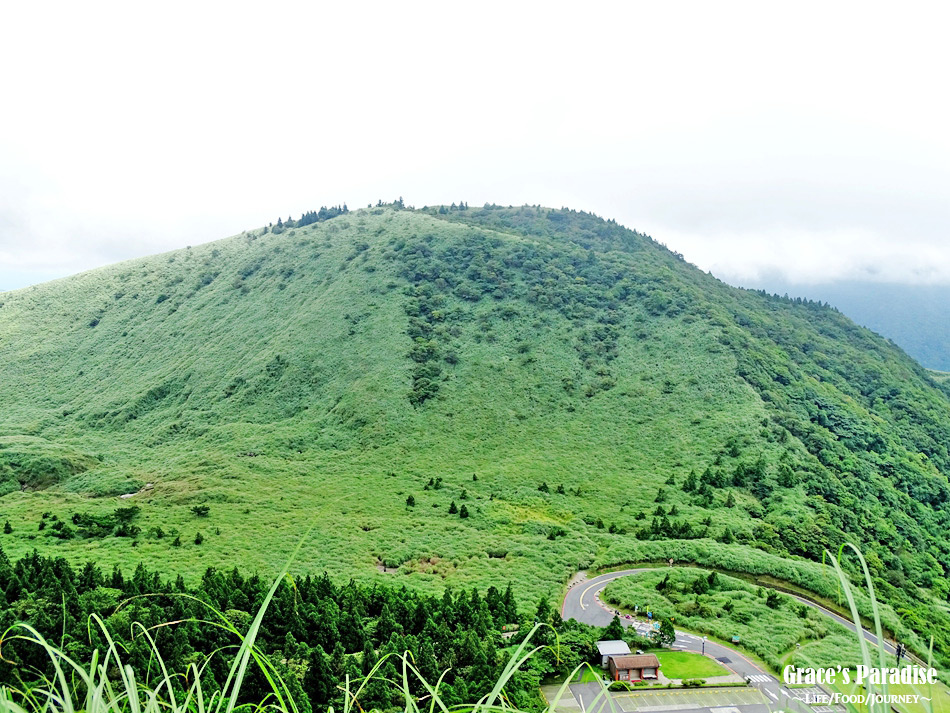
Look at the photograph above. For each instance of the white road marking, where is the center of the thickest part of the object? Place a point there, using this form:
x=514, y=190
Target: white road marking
x=581, y=598
x=770, y=694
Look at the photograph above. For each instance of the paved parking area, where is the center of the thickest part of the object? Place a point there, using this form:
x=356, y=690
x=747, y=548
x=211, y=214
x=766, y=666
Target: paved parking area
x=671, y=700
x=566, y=704
x=811, y=693
x=816, y=698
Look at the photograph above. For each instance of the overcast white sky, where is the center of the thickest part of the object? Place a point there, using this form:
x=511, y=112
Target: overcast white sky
x=808, y=140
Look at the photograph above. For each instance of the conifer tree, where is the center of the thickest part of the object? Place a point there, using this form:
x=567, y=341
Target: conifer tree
x=614, y=630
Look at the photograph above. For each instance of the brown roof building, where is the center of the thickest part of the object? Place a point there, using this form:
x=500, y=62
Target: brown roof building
x=638, y=667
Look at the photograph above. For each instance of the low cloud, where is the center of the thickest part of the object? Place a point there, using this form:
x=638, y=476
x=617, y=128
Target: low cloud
x=707, y=127
x=813, y=256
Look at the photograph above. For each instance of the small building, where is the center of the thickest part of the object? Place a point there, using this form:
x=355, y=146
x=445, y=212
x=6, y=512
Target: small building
x=614, y=647
x=639, y=667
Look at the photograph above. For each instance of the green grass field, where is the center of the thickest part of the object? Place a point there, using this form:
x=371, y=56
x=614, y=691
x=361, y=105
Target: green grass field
x=684, y=664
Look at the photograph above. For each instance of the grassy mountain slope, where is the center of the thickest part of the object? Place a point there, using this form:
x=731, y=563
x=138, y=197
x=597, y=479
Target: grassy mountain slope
x=571, y=383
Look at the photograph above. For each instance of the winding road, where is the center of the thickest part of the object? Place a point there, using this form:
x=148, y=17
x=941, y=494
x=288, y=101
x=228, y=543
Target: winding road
x=583, y=603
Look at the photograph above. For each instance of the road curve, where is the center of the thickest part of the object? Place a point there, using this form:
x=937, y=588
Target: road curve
x=582, y=602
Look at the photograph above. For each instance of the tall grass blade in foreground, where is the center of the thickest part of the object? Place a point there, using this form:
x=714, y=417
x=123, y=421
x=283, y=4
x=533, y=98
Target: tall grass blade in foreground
x=882, y=654
x=871, y=689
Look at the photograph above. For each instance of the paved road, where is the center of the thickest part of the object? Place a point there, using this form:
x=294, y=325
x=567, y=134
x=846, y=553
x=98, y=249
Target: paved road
x=582, y=599
x=582, y=602
x=847, y=623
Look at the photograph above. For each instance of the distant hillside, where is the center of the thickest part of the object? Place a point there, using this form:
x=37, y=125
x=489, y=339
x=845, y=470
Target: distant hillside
x=465, y=397
x=916, y=317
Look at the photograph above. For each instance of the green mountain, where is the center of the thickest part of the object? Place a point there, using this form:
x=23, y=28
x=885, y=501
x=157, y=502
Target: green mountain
x=914, y=316
x=464, y=396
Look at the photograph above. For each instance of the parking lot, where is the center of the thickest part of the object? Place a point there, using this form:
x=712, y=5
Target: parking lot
x=814, y=696
x=679, y=699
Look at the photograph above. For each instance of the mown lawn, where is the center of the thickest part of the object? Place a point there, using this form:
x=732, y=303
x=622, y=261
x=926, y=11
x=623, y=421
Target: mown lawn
x=684, y=664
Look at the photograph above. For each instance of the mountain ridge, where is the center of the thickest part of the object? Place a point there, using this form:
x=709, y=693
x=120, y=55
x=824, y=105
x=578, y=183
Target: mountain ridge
x=910, y=315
